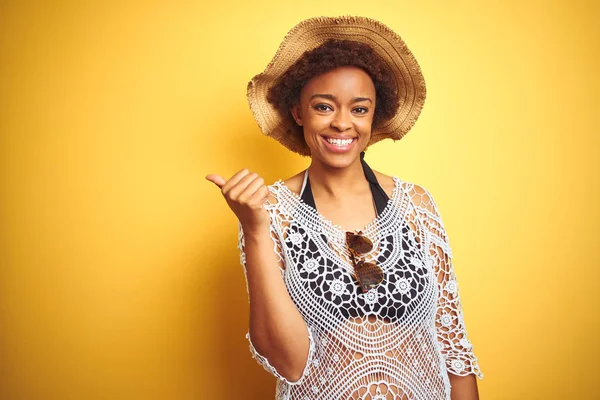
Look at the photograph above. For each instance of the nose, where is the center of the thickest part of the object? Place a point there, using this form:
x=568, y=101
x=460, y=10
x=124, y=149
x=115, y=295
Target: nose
x=341, y=121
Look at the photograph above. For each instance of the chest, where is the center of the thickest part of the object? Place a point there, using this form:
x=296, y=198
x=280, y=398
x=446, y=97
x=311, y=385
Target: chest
x=320, y=276
x=351, y=213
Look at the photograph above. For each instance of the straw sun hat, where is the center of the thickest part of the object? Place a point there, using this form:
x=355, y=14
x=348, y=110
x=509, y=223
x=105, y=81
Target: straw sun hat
x=312, y=33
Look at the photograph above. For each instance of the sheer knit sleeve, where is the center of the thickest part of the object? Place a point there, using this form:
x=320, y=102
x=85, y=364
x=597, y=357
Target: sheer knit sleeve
x=255, y=354
x=451, y=332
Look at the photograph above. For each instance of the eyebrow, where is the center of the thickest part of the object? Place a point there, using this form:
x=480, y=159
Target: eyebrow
x=333, y=98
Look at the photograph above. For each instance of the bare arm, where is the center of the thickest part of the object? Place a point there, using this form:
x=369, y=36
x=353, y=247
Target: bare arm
x=463, y=387
x=277, y=330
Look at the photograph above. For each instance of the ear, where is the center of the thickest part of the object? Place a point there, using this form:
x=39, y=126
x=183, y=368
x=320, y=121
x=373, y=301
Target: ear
x=295, y=110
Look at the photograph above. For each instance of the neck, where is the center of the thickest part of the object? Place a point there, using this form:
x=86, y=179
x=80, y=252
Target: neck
x=337, y=182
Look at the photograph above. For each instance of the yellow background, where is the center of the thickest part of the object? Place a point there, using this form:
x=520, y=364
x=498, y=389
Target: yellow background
x=120, y=277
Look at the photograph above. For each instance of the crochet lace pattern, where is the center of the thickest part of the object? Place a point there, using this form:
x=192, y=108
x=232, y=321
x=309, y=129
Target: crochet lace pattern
x=398, y=340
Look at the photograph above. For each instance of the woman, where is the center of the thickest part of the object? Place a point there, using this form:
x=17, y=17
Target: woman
x=351, y=287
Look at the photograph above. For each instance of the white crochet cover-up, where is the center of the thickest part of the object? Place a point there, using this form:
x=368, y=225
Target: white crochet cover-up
x=397, y=341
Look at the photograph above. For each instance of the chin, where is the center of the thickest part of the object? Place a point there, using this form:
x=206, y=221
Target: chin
x=340, y=160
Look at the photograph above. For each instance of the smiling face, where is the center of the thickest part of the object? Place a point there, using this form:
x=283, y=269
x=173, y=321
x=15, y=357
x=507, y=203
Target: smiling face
x=336, y=112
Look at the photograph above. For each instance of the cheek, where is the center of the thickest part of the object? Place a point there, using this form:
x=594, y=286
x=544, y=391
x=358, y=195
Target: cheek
x=313, y=125
x=365, y=126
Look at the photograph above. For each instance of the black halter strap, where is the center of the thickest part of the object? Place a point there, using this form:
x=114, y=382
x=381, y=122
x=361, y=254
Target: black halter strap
x=380, y=197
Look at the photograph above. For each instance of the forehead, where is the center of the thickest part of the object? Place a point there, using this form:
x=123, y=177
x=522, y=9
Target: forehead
x=342, y=82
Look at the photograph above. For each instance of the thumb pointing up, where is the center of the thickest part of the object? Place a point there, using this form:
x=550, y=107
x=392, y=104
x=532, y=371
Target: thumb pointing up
x=216, y=179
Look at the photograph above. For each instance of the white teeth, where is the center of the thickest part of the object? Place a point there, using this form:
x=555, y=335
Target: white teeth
x=339, y=142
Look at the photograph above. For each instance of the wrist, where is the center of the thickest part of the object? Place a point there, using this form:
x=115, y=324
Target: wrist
x=255, y=232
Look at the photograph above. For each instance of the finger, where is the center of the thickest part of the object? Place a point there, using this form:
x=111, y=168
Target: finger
x=234, y=180
x=252, y=187
x=238, y=189
x=260, y=196
x=216, y=179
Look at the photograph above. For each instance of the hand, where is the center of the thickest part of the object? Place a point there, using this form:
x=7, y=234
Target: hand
x=245, y=193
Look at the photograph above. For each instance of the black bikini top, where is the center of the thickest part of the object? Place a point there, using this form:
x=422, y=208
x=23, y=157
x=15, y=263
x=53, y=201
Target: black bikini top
x=392, y=304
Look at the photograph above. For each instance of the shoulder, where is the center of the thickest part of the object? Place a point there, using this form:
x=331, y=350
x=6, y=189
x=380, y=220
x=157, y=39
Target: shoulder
x=294, y=183
x=387, y=182
x=420, y=197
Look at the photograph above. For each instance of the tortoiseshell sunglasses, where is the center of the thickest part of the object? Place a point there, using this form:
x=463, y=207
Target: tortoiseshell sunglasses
x=368, y=274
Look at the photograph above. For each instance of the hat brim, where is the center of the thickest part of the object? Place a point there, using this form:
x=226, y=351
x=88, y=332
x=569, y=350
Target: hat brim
x=311, y=33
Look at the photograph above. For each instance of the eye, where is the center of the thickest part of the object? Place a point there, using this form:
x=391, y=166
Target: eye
x=361, y=110
x=323, y=107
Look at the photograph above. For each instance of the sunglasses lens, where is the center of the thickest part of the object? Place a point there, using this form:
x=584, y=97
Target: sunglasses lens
x=358, y=243
x=369, y=275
